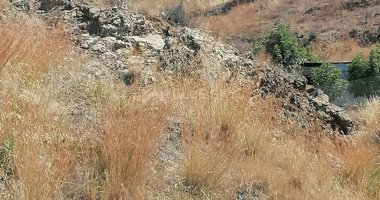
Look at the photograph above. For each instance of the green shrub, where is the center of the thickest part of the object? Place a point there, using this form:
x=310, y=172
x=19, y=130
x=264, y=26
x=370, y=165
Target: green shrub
x=374, y=61
x=359, y=68
x=364, y=76
x=257, y=46
x=6, y=155
x=282, y=45
x=327, y=78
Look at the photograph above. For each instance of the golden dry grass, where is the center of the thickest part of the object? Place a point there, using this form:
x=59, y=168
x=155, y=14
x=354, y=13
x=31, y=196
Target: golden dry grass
x=30, y=44
x=340, y=50
x=129, y=132
x=229, y=141
x=371, y=116
x=42, y=159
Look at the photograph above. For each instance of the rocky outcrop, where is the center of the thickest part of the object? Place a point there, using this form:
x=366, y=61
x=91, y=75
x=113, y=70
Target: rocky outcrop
x=225, y=8
x=302, y=102
x=366, y=36
x=127, y=41
x=355, y=4
x=141, y=48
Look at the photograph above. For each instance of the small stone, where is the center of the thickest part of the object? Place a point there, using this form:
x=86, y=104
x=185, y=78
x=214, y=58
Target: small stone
x=99, y=47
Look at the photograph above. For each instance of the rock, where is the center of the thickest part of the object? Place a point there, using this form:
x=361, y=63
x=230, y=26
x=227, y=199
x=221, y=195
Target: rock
x=126, y=43
x=21, y=5
x=254, y=191
x=47, y=5
x=119, y=44
x=152, y=41
x=354, y=4
x=225, y=8
x=298, y=98
x=313, y=10
x=366, y=36
x=99, y=47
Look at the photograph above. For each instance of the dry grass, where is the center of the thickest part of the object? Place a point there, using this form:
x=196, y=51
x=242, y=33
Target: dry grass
x=332, y=24
x=230, y=143
x=370, y=115
x=32, y=135
x=30, y=44
x=340, y=50
x=41, y=156
x=129, y=133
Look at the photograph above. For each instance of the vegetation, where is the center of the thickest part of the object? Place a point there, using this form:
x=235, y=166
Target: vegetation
x=327, y=78
x=282, y=45
x=257, y=46
x=364, y=74
x=374, y=61
x=359, y=68
x=65, y=134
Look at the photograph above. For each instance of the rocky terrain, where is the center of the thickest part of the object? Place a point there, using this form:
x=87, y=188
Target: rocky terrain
x=344, y=26
x=143, y=51
x=128, y=44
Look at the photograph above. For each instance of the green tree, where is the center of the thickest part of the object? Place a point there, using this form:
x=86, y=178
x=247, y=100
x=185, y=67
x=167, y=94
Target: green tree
x=374, y=61
x=364, y=76
x=282, y=45
x=327, y=78
x=359, y=68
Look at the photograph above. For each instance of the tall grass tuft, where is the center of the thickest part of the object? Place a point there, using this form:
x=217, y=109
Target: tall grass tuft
x=128, y=134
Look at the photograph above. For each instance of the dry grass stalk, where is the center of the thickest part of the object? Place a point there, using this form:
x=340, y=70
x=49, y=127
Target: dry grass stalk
x=42, y=159
x=129, y=133
x=31, y=44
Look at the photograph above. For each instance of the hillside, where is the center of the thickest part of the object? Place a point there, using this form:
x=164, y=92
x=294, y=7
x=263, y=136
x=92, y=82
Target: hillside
x=341, y=27
x=99, y=101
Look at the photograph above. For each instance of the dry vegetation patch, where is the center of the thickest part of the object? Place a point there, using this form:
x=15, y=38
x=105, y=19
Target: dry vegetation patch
x=30, y=44
x=231, y=144
x=128, y=136
x=328, y=19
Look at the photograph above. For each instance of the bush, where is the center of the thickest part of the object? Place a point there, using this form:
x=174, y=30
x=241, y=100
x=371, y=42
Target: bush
x=257, y=46
x=374, y=61
x=359, y=68
x=282, y=45
x=327, y=78
x=368, y=86
x=364, y=76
